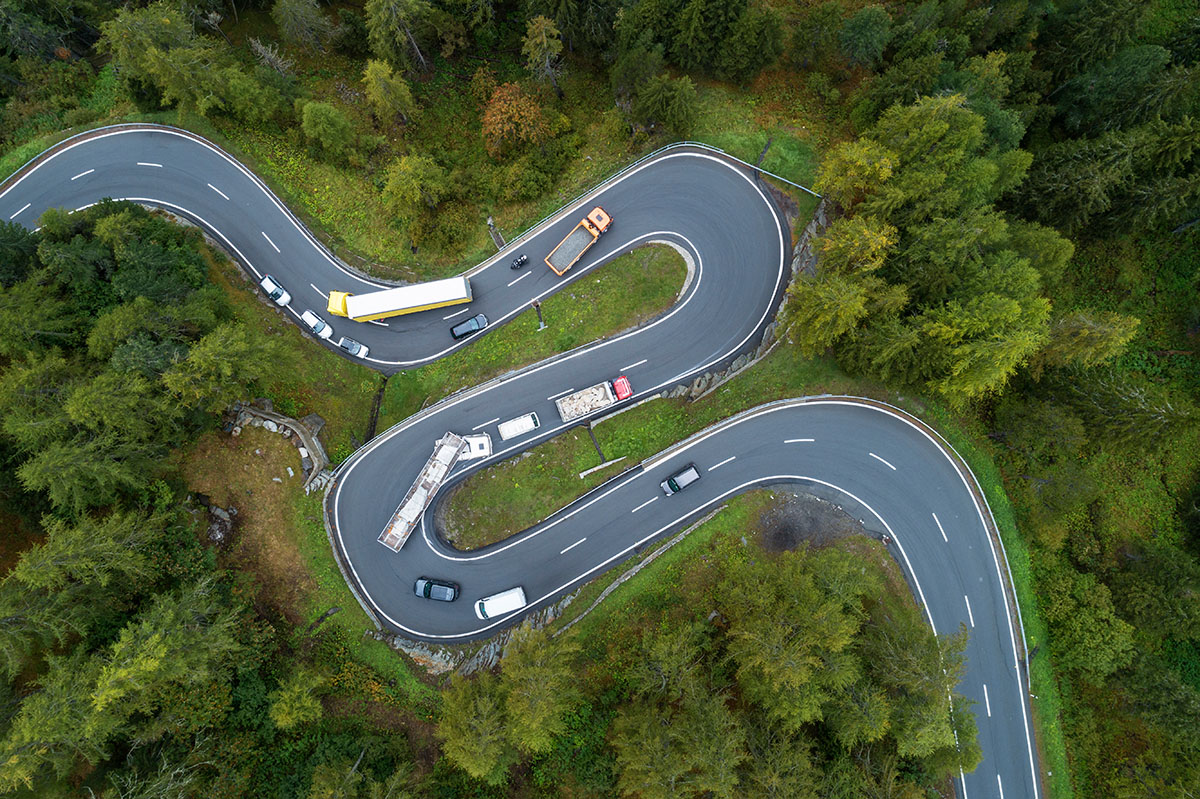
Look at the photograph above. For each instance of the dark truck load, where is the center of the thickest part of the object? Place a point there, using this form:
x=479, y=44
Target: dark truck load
x=582, y=236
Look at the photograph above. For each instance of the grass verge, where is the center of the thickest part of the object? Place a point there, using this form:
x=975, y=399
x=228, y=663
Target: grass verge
x=314, y=379
x=294, y=574
x=630, y=290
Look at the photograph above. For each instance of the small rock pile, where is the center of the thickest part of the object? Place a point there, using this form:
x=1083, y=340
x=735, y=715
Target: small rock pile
x=251, y=416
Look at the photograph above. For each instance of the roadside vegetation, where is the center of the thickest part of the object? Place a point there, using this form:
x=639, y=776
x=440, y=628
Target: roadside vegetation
x=629, y=290
x=1013, y=258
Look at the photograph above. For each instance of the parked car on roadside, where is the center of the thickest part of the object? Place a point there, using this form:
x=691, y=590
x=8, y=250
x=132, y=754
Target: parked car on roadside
x=319, y=327
x=353, y=347
x=275, y=292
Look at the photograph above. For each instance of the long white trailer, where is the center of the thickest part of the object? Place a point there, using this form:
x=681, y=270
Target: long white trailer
x=446, y=453
x=400, y=300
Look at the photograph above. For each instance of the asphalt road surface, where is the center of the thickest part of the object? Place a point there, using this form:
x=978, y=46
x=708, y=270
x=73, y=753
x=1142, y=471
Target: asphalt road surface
x=876, y=463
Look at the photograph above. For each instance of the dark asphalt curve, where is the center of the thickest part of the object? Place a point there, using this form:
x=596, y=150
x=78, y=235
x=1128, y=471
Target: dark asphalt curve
x=874, y=462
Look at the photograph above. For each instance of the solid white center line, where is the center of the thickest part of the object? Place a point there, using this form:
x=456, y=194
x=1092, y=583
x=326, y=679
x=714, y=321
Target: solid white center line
x=970, y=615
x=23, y=207
x=268, y=238
x=798, y=440
x=560, y=394
x=1000, y=785
x=314, y=288
x=380, y=324
x=522, y=277
x=939, y=524
x=456, y=313
x=644, y=504
x=147, y=163
x=81, y=174
x=218, y=191
x=580, y=541
x=987, y=702
x=881, y=460
x=722, y=463
x=630, y=366
x=485, y=424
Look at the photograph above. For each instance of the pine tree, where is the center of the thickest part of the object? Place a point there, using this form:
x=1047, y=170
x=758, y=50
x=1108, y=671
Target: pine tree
x=301, y=22
x=865, y=35
x=394, y=29
x=669, y=102
x=473, y=728
x=539, y=687
x=1087, y=339
x=296, y=702
x=415, y=183
x=542, y=48
x=388, y=93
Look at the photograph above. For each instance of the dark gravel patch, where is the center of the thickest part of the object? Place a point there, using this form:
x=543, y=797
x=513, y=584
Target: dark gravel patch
x=794, y=518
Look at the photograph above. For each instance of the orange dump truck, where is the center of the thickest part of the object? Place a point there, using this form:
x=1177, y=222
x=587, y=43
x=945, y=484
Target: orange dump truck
x=582, y=236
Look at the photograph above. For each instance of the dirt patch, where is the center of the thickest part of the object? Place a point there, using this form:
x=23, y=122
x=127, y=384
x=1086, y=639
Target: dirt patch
x=241, y=473
x=792, y=519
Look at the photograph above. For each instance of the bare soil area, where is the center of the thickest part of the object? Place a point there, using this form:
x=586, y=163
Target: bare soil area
x=240, y=473
x=795, y=518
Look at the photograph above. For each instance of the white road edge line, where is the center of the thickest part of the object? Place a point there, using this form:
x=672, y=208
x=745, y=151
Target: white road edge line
x=456, y=313
x=23, y=207
x=942, y=531
x=987, y=702
x=722, y=463
x=522, y=277
x=970, y=615
x=580, y=541
x=559, y=394
x=218, y=191
x=881, y=460
x=798, y=440
x=644, y=504
x=630, y=366
x=147, y=163
x=81, y=174
x=268, y=238
x=485, y=424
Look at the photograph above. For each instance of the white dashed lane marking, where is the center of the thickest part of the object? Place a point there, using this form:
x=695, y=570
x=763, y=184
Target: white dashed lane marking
x=881, y=460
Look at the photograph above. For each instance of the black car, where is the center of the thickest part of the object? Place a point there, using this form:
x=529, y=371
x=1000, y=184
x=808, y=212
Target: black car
x=473, y=325
x=519, y=261
x=440, y=590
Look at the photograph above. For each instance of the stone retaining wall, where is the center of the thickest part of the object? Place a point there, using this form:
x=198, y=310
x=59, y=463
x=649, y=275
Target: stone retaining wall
x=302, y=433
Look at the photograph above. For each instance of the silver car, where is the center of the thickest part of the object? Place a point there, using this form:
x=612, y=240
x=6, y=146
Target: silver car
x=275, y=292
x=316, y=324
x=353, y=347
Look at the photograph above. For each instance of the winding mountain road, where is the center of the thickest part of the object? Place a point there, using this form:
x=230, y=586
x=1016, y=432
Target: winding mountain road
x=884, y=467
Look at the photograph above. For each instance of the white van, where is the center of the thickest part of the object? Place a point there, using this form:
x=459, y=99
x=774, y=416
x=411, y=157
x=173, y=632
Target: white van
x=519, y=426
x=498, y=604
